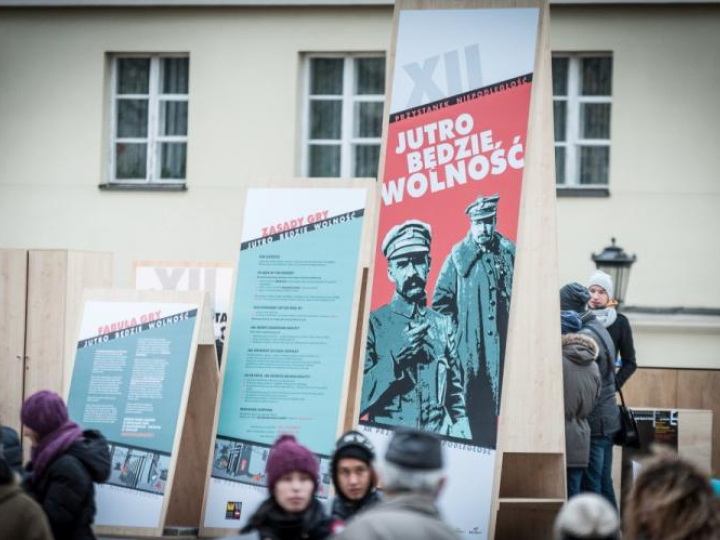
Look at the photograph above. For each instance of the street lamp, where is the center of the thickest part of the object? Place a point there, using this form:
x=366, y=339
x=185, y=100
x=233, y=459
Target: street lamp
x=614, y=261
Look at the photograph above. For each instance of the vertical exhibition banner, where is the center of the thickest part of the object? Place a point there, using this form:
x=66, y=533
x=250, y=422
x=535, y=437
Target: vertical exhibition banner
x=286, y=364
x=445, y=250
x=130, y=374
x=215, y=279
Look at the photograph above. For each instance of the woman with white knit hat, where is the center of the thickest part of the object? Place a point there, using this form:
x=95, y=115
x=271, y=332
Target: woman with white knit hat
x=617, y=324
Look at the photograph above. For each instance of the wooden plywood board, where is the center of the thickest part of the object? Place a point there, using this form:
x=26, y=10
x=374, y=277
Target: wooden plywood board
x=46, y=321
x=13, y=288
x=652, y=388
x=700, y=389
x=185, y=507
x=695, y=437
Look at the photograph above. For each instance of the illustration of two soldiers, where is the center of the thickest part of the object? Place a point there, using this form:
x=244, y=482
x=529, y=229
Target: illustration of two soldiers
x=439, y=368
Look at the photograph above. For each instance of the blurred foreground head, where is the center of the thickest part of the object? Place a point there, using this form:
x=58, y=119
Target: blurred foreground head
x=413, y=463
x=587, y=517
x=672, y=500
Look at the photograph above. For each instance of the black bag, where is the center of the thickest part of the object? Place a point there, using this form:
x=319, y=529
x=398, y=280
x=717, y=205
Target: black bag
x=628, y=435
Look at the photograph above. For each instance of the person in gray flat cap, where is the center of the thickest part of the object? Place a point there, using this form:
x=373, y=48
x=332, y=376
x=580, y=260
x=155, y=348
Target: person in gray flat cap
x=474, y=289
x=412, y=372
x=412, y=478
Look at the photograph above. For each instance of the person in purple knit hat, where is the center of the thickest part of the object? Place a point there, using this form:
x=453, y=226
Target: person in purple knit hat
x=291, y=512
x=64, y=463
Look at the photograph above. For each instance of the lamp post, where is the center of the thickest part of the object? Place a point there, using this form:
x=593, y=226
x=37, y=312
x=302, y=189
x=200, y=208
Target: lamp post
x=614, y=261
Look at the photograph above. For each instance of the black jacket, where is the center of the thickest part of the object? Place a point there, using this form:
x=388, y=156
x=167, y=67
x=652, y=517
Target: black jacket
x=622, y=337
x=343, y=509
x=65, y=490
x=605, y=417
x=12, y=448
x=271, y=522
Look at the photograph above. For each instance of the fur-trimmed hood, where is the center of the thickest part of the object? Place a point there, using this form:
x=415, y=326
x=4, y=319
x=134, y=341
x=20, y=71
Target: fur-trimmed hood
x=579, y=348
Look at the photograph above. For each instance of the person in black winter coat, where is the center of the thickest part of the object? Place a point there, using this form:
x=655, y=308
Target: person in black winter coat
x=354, y=478
x=605, y=417
x=291, y=512
x=65, y=461
x=604, y=307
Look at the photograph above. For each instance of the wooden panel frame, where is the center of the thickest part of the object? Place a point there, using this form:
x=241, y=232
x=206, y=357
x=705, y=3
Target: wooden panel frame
x=193, y=415
x=365, y=251
x=13, y=295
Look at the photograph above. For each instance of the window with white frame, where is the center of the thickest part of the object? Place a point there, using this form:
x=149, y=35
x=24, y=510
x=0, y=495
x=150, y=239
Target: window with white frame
x=582, y=98
x=343, y=114
x=149, y=119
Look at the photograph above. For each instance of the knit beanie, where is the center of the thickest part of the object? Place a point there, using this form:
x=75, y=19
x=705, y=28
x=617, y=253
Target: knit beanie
x=44, y=412
x=587, y=516
x=574, y=296
x=570, y=322
x=287, y=456
x=352, y=444
x=601, y=279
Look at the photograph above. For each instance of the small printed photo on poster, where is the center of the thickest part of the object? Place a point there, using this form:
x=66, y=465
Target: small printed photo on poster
x=137, y=468
x=245, y=462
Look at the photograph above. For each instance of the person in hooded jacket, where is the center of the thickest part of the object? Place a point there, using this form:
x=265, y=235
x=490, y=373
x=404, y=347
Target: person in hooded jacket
x=291, y=512
x=354, y=478
x=64, y=463
x=605, y=418
x=22, y=517
x=581, y=385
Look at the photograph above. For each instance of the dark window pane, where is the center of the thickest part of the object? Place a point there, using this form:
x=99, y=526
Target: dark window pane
x=366, y=158
x=132, y=117
x=370, y=76
x=130, y=161
x=172, y=160
x=368, y=119
x=595, y=121
x=325, y=119
x=560, y=76
x=133, y=76
x=594, y=163
x=560, y=164
x=597, y=76
x=324, y=160
x=560, y=119
x=173, y=117
x=175, y=75
x=326, y=76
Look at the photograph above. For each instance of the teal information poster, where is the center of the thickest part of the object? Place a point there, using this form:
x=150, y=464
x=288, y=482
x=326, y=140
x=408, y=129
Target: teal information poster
x=290, y=337
x=128, y=379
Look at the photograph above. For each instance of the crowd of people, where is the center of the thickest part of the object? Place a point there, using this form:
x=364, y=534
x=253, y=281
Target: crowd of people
x=53, y=497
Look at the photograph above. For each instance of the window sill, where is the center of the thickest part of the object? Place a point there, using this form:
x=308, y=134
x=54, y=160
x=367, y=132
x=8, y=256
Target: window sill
x=583, y=191
x=143, y=187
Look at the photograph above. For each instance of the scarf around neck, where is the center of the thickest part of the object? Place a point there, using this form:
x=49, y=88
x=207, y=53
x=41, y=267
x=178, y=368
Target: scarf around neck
x=607, y=316
x=52, y=445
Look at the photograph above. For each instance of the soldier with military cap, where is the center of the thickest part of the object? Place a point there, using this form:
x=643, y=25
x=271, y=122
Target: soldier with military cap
x=474, y=288
x=412, y=372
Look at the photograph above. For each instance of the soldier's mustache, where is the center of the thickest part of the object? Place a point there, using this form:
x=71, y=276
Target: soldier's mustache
x=413, y=283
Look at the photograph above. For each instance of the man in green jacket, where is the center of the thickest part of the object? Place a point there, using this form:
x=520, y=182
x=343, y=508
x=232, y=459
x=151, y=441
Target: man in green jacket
x=474, y=289
x=412, y=372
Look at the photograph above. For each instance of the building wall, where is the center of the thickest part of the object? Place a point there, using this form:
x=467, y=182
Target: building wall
x=245, y=103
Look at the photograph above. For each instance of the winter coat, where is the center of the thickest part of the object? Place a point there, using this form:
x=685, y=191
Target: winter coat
x=581, y=378
x=622, y=338
x=406, y=516
x=474, y=288
x=342, y=509
x=271, y=522
x=65, y=489
x=22, y=518
x=605, y=417
x=12, y=448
